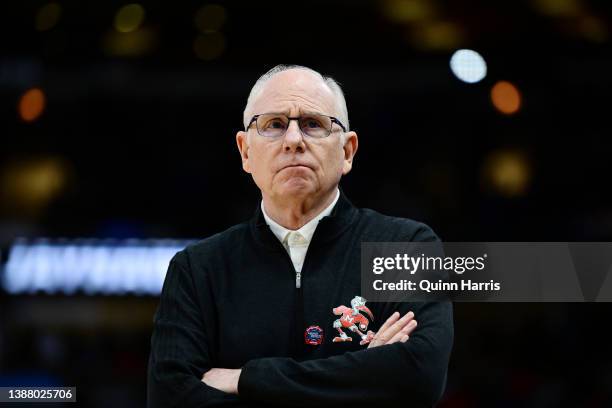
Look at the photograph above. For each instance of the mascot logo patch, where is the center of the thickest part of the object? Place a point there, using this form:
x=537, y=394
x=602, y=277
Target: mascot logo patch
x=352, y=318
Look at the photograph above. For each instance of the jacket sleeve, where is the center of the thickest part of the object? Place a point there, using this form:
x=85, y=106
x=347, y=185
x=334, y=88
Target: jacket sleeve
x=410, y=374
x=179, y=346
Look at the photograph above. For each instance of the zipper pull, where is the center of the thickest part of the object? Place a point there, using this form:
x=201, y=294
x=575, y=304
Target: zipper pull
x=298, y=279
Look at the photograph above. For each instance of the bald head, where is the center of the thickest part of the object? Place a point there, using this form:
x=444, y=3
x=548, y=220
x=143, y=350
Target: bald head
x=285, y=82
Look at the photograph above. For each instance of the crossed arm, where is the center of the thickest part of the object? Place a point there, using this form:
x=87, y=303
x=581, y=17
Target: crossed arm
x=392, y=331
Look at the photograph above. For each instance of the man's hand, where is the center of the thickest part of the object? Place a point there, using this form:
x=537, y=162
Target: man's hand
x=394, y=330
x=224, y=379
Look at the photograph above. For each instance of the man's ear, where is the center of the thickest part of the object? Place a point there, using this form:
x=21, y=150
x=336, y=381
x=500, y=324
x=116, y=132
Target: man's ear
x=243, y=148
x=350, y=148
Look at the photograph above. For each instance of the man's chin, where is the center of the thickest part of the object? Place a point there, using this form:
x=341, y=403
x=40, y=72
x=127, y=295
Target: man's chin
x=296, y=187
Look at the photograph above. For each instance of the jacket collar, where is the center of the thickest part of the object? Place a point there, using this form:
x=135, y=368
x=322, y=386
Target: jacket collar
x=329, y=227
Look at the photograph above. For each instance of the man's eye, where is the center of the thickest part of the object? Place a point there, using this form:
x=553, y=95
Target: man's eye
x=275, y=124
x=312, y=124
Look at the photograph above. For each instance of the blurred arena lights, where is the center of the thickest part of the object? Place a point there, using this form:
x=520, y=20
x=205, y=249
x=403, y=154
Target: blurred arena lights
x=507, y=172
x=130, y=44
x=408, y=11
x=129, y=38
x=29, y=185
x=210, y=43
x=89, y=266
x=129, y=18
x=31, y=104
x=436, y=35
x=48, y=16
x=506, y=97
x=468, y=65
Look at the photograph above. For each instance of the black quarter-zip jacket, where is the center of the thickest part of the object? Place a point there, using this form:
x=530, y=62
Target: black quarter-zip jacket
x=230, y=301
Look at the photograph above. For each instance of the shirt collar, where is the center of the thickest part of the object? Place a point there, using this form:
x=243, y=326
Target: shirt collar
x=307, y=230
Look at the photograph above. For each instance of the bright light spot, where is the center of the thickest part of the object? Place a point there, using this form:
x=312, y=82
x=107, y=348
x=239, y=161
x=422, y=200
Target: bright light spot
x=93, y=267
x=209, y=46
x=48, y=16
x=129, y=18
x=507, y=172
x=468, y=66
x=30, y=185
x=210, y=18
x=31, y=105
x=506, y=97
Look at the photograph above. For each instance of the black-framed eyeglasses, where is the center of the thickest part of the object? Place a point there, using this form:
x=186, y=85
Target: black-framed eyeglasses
x=275, y=125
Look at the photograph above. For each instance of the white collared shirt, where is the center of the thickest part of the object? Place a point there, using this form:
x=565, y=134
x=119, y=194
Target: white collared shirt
x=296, y=242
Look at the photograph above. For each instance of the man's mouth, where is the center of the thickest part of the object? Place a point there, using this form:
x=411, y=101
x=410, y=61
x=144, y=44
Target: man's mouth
x=296, y=165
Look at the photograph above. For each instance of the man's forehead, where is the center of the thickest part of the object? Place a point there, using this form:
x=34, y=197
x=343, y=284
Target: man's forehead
x=293, y=88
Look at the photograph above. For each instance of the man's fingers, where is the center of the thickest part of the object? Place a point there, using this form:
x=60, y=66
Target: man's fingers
x=391, y=328
x=399, y=325
x=404, y=332
x=392, y=319
x=380, y=338
x=411, y=326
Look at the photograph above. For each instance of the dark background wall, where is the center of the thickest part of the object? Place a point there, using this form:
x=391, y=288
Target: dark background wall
x=136, y=139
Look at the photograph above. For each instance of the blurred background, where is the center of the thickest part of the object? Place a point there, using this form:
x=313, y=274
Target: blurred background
x=487, y=120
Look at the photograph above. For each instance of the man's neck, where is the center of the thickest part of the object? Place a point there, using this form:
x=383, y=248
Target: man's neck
x=295, y=213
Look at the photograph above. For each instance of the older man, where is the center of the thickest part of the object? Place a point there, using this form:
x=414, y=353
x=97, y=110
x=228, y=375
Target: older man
x=269, y=311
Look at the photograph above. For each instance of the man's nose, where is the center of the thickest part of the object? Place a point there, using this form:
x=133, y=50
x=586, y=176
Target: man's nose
x=293, y=140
